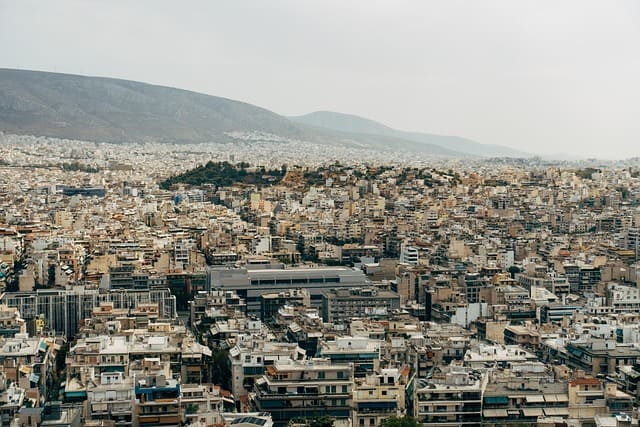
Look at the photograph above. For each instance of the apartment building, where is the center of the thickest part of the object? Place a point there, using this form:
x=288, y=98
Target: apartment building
x=451, y=397
x=361, y=353
x=379, y=396
x=157, y=394
x=111, y=398
x=305, y=389
x=342, y=305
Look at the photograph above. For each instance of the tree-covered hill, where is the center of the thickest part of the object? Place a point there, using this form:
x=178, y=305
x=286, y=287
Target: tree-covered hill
x=223, y=174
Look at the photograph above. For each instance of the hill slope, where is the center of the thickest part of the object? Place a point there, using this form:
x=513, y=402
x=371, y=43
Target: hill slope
x=114, y=110
x=360, y=125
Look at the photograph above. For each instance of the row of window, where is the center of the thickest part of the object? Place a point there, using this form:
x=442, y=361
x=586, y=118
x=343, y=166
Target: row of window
x=295, y=281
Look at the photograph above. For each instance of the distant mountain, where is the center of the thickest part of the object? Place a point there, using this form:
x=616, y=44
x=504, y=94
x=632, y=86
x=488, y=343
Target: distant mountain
x=360, y=125
x=113, y=110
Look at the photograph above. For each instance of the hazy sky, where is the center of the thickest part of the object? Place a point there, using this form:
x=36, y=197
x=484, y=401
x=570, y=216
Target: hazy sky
x=543, y=76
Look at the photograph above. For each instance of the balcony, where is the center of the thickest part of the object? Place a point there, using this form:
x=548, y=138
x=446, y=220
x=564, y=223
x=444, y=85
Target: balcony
x=302, y=396
x=159, y=419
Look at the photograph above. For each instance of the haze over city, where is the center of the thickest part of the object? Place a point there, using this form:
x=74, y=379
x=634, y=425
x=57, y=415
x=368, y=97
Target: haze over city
x=319, y=214
x=543, y=77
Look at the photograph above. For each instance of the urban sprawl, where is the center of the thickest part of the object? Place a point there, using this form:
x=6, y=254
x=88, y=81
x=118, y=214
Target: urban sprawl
x=274, y=283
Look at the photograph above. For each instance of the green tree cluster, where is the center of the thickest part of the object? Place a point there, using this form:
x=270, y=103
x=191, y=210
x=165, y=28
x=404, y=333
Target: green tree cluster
x=223, y=174
x=405, y=421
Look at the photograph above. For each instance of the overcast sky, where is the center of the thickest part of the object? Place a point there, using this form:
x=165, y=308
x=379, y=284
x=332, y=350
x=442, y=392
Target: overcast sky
x=543, y=76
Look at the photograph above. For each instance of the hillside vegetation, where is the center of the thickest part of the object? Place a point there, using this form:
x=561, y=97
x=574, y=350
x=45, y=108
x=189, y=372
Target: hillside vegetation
x=223, y=174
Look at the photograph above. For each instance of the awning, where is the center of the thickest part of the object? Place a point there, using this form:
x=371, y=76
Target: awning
x=76, y=394
x=532, y=412
x=575, y=351
x=495, y=413
x=496, y=400
x=378, y=405
x=535, y=398
x=551, y=398
x=556, y=411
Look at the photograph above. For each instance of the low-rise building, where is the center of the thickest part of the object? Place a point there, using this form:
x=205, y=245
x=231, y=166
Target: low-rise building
x=363, y=354
x=523, y=335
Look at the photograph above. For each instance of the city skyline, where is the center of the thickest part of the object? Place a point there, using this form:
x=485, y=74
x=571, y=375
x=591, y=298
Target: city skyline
x=170, y=258
x=542, y=78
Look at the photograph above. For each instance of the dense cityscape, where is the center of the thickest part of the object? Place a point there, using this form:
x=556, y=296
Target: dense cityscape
x=271, y=282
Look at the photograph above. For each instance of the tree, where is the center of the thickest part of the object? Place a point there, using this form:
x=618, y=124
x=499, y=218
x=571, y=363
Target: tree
x=51, y=275
x=324, y=421
x=321, y=421
x=220, y=370
x=405, y=421
x=513, y=270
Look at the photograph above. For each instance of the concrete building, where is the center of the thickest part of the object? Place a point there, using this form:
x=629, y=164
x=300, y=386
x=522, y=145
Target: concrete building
x=600, y=356
x=305, y=389
x=361, y=353
x=451, y=397
x=157, y=394
x=64, y=310
x=378, y=397
x=251, y=283
x=112, y=398
x=271, y=302
x=408, y=255
x=524, y=336
x=342, y=305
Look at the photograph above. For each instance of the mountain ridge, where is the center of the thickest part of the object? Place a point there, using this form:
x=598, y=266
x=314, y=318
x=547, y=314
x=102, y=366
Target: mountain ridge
x=116, y=110
x=353, y=123
x=105, y=109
